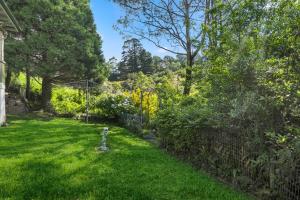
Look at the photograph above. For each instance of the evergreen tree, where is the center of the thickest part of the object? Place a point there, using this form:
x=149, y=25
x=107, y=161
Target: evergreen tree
x=61, y=42
x=157, y=63
x=168, y=63
x=135, y=58
x=113, y=69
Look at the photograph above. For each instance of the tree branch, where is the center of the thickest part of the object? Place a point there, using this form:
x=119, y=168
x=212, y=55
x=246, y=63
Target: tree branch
x=155, y=43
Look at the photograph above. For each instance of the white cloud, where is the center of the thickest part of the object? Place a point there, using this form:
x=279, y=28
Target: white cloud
x=162, y=51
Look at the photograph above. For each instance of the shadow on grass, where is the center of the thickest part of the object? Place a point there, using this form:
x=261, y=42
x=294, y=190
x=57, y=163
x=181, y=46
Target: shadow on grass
x=56, y=159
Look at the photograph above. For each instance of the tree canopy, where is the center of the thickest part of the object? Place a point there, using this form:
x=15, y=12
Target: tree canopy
x=179, y=24
x=134, y=58
x=229, y=101
x=59, y=41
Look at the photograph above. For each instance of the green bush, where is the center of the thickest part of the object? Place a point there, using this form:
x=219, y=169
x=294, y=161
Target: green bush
x=180, y=125
x=68, y=101
x=19, y=81
x=110, y=106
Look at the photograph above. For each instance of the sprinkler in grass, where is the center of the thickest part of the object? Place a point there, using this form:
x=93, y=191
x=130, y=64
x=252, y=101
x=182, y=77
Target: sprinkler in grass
x=103, y=146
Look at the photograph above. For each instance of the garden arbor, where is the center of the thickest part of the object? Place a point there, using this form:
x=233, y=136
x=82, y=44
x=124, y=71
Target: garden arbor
x=8, y=24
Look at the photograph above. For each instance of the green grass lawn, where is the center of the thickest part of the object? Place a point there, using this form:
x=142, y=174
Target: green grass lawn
x=56, y=159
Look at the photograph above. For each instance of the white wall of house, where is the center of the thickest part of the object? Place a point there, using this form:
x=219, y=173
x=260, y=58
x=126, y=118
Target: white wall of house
x=2, y=80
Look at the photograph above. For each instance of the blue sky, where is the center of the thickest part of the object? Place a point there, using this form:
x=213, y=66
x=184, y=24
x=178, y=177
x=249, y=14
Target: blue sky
x=106, y=13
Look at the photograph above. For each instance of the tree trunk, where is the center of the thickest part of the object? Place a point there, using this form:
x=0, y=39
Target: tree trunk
x=188, y=81
x=27, y=91
x=189, y=57
x=188, y=76
x=7, y=78
x=46, y=94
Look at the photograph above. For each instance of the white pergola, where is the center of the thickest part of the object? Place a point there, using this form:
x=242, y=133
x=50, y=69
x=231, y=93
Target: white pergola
x=8, y=24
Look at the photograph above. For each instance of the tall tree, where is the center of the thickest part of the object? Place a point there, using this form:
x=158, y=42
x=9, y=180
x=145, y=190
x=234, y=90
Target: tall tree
x=18, y=62
x=135, y=58
x=61, y=41
x=174, y=23
x=157, y=64
x=113, y=69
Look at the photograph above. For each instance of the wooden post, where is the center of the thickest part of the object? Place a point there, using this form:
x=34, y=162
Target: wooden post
x=141, y=107
x=87, y=101
x=148, y=105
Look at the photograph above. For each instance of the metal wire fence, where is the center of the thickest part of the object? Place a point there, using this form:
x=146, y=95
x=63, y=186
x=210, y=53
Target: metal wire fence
x=251, y=166
x=289, y=186
x=84, y=85
x=235, y=158
x=132, y=122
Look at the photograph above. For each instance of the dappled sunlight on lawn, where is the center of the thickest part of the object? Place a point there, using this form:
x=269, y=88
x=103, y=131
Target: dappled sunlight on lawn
x=56, y=159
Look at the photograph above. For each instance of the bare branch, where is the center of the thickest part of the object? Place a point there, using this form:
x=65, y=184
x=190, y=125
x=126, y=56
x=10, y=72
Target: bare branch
x=156, y=43
x=177, y=22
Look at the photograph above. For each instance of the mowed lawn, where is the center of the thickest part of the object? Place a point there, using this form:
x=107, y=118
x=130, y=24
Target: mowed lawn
x=56, y=159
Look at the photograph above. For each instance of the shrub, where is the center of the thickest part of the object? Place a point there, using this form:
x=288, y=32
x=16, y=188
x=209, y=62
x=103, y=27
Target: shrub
x=109, y=106
x=180, y=125
x=68, y=101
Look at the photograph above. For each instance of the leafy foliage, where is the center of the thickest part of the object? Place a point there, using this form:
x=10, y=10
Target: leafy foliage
x=59, y=41
x=134, y=59
x=112, y=106
x=68, y=101
x=248, y=89
x=239, y=65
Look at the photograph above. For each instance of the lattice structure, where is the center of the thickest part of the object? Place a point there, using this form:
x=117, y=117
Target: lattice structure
x=290, y=186
x=247, y=165
x=85, y=85
x=131, y=121
x=234, y=153
x=233, y=157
